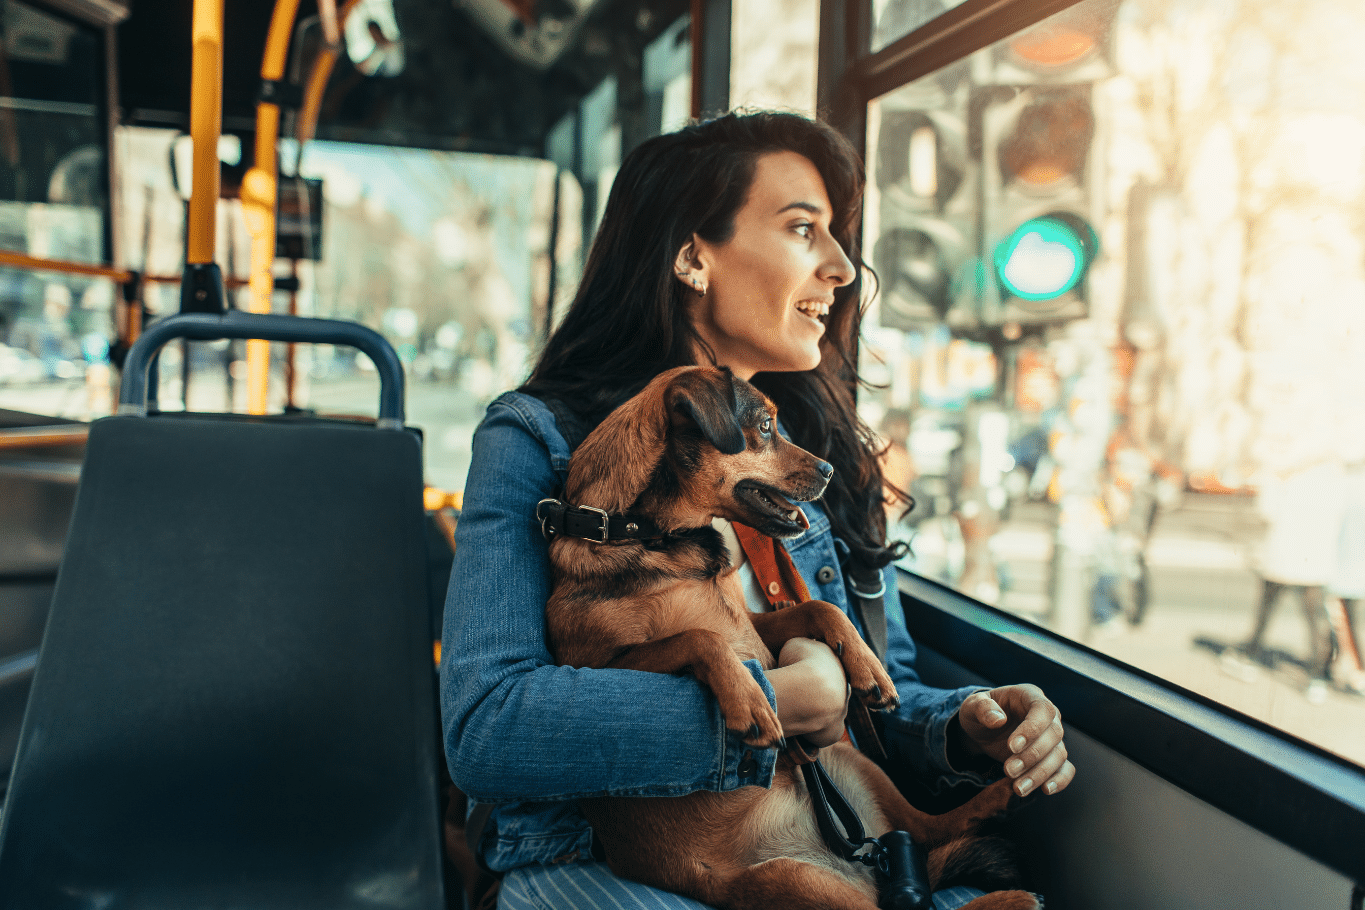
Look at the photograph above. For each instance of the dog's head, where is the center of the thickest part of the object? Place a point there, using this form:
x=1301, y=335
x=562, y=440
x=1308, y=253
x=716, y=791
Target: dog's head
x=698, y=442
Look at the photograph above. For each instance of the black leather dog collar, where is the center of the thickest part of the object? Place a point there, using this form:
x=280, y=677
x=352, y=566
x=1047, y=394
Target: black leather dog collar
x=557, y=518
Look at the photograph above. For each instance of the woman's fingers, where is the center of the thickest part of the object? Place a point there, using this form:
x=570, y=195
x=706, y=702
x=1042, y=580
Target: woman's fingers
x=1019, y=726
x=1040, y=762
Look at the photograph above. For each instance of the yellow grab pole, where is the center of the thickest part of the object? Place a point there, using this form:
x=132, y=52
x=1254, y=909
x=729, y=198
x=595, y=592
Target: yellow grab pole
x=317, y=83
x=259, y=188
x=331, y=22
x=206, y=120
x=41, y=264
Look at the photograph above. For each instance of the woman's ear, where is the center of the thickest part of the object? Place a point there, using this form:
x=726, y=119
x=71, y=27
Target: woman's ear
x=690, y=266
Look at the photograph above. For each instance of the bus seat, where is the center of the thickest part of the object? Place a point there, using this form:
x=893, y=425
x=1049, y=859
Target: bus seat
x=40, y=463
x=234, y=701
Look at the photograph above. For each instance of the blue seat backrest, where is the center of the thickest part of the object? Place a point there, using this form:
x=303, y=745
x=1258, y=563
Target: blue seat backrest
x=233, y=704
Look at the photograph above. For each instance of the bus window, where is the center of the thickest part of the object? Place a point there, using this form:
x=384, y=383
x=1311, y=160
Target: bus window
x=447, y=254
x=54, y=201
x=1121, y=262
x=893, y=19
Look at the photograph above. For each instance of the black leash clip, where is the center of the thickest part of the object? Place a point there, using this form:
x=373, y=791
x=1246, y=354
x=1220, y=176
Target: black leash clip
x=903, y=878
x=905, y=874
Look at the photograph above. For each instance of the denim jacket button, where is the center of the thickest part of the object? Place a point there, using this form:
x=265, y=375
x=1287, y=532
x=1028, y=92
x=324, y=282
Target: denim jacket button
x=825, y=575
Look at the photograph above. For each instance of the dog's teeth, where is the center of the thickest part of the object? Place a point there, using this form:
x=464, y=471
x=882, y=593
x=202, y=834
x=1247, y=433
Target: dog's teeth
x=794, y=515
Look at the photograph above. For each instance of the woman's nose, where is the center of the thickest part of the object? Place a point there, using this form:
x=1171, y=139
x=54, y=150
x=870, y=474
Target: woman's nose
x=836, y=267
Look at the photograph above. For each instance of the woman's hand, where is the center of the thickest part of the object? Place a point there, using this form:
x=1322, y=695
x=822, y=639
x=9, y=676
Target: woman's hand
x=1019, y=726
x=812, y=691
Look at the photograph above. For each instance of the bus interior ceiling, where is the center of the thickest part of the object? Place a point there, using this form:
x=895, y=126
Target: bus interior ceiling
x=476, y=76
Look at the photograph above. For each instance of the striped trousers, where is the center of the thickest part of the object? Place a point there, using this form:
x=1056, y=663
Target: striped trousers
x=592, y=886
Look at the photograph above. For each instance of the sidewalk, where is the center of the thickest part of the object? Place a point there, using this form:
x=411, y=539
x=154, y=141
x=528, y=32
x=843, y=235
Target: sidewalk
x=1202, y=590
x=1164, y=645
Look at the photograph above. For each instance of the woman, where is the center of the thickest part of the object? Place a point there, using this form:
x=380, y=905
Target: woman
x=729, y=242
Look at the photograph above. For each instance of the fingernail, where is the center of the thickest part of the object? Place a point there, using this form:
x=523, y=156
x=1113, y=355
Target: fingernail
x=1017, y=744
x=1051, y=787
x=1013, y=767
x=995, y=716
x=1025, y=785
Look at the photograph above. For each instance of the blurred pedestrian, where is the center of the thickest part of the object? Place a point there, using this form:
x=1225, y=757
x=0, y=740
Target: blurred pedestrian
x=1302, y=510
x=898, y=466
x=1347, y=583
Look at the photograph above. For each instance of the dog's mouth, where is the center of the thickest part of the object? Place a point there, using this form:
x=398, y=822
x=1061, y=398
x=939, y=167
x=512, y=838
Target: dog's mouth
x=774, y=514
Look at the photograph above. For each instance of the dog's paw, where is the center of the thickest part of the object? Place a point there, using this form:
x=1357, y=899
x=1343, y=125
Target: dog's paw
x=996, y=800
x=748, y=714
x=764, y=733
x=877, y=699
x=1006, y=900
x=869, y=679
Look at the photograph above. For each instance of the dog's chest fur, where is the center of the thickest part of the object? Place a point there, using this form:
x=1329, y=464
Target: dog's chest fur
x=622, y=596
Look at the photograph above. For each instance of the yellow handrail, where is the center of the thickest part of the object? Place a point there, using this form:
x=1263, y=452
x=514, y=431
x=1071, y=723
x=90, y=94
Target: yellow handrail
x=259, y=188
x=11, y=259
x=331, y=22
x=317, y=82
x=206, y=121
x=41, y=264
x=43, y=437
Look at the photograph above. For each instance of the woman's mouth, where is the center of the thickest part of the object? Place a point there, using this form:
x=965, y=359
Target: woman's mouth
x=815, y=309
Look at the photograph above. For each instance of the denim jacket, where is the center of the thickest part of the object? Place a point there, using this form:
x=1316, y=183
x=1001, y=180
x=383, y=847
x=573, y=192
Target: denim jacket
x=532, y=736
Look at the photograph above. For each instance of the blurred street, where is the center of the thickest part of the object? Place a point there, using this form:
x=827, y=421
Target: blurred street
x=1202, y=589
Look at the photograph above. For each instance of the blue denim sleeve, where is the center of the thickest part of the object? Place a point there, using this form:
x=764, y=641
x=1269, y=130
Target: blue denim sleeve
x=917, y=732
x=516, y=725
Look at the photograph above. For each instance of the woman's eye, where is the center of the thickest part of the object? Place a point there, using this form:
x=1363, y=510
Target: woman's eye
x=805, y=229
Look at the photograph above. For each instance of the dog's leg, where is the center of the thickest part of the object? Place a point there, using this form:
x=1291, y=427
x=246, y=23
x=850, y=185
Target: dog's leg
x=843, y=761
x=955, y=854
x=708, y=656
x=789, y=884
x=827, y=623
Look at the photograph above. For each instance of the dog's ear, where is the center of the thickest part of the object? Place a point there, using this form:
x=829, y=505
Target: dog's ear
x=705, y=398
x=615, y=463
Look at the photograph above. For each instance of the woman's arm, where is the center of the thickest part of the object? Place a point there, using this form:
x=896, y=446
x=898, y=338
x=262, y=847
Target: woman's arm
x=952, y=735
x=924, y=731
x=519, y=727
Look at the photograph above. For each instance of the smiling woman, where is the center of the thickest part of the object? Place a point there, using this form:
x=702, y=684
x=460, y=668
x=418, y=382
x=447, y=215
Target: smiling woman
x=728, y=243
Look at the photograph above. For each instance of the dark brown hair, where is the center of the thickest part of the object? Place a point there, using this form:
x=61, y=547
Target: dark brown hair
x=630, y=319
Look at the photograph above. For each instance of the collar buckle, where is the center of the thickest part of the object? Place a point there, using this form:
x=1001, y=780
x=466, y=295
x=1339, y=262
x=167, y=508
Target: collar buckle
x=585, y=522
x=601, y=529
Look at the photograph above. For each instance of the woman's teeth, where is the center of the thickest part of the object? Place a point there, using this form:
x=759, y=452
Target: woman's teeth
x=813, y=308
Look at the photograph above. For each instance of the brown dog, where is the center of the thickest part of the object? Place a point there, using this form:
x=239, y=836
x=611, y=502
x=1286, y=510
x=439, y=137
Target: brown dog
x=698, y=443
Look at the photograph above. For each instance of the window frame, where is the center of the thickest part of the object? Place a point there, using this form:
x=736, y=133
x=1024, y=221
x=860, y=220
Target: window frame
x=850, y=75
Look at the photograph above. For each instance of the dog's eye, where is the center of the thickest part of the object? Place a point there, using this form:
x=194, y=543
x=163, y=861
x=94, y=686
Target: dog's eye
x=766, y=427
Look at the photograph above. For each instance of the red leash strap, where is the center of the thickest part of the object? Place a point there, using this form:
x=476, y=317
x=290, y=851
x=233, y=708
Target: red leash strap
x=782, y=585
x=773, y=566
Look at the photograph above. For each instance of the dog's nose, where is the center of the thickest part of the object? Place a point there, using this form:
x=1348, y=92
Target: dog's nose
x=826, y=469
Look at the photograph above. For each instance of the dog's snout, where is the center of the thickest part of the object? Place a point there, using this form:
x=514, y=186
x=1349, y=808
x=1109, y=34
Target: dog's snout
x=825, y=468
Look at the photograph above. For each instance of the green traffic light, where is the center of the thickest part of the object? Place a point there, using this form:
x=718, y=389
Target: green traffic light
x=1045, y=257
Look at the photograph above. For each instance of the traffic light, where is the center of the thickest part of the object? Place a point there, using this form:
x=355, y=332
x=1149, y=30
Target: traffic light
x=926, y=246
x=1073, y=46
x=1041, y=192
